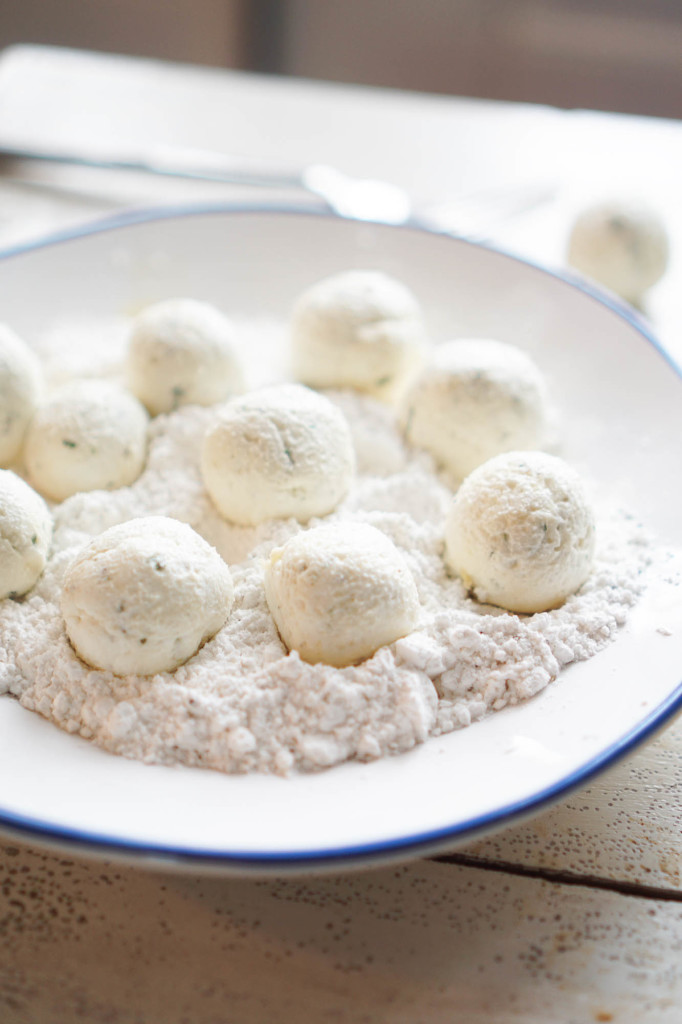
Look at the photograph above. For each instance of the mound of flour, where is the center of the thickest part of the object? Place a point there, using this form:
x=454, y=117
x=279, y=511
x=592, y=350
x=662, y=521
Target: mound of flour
x=242, y=703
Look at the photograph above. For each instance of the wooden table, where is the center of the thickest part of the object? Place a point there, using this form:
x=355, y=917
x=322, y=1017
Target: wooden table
x=574, y=917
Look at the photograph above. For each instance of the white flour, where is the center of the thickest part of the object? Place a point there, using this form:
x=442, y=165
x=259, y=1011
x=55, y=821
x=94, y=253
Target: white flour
x=242, y=703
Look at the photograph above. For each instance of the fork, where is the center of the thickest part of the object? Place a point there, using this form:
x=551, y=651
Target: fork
x=356, y=198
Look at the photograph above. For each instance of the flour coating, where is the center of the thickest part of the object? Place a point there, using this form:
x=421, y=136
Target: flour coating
x=277, y=452
x=88, y=435
x=340, y=592
x=520, y=531
x=621, y=245
x=477, y=397
x=244, y=703
x=144, y=595
x=182, y=352
x=25, y=535
x=359, y=329
x=20, y=391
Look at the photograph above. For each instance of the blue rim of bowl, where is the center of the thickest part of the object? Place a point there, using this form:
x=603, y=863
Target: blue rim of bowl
x=426, y=843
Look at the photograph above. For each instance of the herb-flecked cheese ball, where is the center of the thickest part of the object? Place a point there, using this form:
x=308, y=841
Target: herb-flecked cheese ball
x=623, y=246
x=144, y=596
x=182, y=352
x=90, y=435
x=520, y=532
x=25, y=535
x=20, y=391
x=278, y=452
x=339, y=592
x=360, y=329
x=477, y=398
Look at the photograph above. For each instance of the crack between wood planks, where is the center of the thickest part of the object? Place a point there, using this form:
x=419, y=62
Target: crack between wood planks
x=651, y=892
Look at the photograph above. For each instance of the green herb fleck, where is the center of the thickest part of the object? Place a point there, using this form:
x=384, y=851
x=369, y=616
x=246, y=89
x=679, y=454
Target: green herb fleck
x=68, y=444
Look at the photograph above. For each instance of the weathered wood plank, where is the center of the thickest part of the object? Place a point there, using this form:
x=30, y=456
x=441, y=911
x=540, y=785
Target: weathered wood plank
x=422, y=943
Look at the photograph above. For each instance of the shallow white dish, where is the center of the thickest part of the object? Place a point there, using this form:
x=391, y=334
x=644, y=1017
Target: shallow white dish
x=621, y=406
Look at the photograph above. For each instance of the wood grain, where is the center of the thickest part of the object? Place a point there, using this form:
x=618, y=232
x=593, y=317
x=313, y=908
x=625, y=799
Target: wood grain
x=427, y=942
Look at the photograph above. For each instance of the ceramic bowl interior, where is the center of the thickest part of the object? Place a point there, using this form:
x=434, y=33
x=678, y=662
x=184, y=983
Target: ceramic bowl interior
x=620, y=403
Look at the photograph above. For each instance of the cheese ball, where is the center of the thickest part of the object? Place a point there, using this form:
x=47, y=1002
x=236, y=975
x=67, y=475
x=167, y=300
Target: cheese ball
x=361, y=329
x=20, y=390
x=278, y=452
x=181, y=352
x=144, y=596
x=25, y=535
x=622, y=246
x=520, y=532
x=478, y=398
x=90, y=435
x=339, y=592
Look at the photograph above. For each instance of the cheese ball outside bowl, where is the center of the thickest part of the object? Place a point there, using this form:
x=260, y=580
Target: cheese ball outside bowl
x=20, y=391
x=623, y=246
x=520, y=532
x=25, y=535
x=339, y=592
x=278, y=452
x=144, y=596
x=360, y=329
x=181, y=352
x=479, y=397
x=90, y=435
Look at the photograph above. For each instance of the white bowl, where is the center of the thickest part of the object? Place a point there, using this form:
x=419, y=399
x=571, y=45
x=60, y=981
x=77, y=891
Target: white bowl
x=621, y=405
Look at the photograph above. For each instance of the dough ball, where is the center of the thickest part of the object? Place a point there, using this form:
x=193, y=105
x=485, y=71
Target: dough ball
x=339, y=592
x=360, y=329
x=20, y=389
x=622, y=246
x=181, y=352
x=520, y=532
x=144, y=596
x=278, y=452
x=478, y=398
x=90, y=435
x=25, y=535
